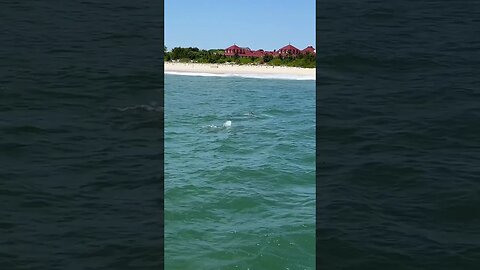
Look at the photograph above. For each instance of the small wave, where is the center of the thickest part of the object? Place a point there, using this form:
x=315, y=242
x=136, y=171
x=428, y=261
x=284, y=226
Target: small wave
x=252, y=76
x=225, y=125
x=15, y=130
x=211, y=126
x=260, y=115
x=149, y=108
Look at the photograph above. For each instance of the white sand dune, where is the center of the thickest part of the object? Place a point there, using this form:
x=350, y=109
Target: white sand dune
x=252, y=71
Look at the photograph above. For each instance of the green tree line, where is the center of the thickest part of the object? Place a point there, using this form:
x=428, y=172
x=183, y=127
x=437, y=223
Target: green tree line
x=216, y=56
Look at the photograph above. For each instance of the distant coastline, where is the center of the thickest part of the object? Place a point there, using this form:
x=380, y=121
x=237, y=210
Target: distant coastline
x=287, y=56
x=245, y=70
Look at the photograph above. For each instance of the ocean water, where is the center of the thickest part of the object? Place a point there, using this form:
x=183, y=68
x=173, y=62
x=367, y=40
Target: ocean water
x=81, y=135
x=239, y=195
x=398, y=135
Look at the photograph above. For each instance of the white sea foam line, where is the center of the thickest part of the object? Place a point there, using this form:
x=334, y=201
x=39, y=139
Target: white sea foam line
x=244, y=75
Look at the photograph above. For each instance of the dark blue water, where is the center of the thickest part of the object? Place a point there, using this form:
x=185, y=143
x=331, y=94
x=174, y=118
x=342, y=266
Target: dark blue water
x=398, y=145
x=81, y=135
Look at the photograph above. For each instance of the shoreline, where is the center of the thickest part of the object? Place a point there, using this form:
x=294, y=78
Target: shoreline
x=234, y=70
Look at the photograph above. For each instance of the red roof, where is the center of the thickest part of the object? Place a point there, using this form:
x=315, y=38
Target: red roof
x=258, y=53
x=247, y=52
x=232, y=47
x=309, y=49
x=288, y=47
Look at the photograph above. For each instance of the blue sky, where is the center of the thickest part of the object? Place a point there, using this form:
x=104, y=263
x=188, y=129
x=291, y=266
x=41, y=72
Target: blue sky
x=258, y=24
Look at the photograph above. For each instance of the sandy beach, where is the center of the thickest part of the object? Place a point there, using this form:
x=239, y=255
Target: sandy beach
x=253, y=71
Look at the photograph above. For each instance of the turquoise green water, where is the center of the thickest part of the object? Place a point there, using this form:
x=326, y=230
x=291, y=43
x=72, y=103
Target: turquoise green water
x=239, y=197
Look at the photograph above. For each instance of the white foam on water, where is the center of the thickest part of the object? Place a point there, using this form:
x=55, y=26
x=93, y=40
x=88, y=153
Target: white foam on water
x=253, y=76
x=227, y=124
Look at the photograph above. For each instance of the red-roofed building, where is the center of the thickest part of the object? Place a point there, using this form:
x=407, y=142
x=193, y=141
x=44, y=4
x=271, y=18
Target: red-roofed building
x=289, y=49
x=247, y=52
x=309, y=49
x=243, y=52
x=232, y=50
x=235, y=50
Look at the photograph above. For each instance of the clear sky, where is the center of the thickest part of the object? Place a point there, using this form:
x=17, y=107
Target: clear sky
x=258, y=24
